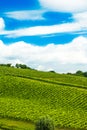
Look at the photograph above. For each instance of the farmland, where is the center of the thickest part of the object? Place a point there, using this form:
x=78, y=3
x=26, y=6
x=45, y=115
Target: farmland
x=28, y=95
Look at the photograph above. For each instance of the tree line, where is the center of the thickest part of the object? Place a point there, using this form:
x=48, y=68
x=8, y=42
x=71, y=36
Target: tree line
x=79, y=73
x=22, y=66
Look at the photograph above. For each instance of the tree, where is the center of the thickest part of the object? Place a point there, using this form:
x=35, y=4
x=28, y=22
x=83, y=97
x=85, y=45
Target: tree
x=8, y=65
x=79, y=72
x=69, y=73
x=85, y=74
x=44, y=124
x=52, y=71
x=17, y=65
x=23, y=66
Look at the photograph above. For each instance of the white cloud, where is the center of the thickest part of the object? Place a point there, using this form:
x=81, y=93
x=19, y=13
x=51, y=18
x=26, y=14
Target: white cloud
x=79, y=25
x=81, y=19
x=43, y=30
x=61, y=58
x=65, y=5
x=26, y=15
x=46, y=30
x=2, y=24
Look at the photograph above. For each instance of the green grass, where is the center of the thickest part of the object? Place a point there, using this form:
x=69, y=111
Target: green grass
x=45, y=76
x=10, y=124
x=29, y=95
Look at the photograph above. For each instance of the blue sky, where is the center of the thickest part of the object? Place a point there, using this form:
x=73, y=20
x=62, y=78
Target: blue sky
x=44, y=29
x=10, y=9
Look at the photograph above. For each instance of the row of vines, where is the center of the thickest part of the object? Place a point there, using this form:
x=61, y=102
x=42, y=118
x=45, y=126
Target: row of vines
x=28, y=99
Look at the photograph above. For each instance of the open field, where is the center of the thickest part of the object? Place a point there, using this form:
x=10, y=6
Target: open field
x=27, y=95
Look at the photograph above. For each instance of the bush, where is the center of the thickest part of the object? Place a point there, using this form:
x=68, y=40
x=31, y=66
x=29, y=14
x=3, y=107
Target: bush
x=79, y=73
x=44, y=124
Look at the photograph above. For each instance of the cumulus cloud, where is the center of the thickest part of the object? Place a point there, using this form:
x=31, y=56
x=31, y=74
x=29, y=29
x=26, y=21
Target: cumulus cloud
x=61, y=58
x=26, y=15
x=72, y=6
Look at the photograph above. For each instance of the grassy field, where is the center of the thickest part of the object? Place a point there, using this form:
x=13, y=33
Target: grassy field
x=27, y=95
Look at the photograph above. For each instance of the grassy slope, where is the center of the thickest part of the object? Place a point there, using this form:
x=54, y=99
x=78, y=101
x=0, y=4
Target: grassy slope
x=47, y=76
x=25, y=96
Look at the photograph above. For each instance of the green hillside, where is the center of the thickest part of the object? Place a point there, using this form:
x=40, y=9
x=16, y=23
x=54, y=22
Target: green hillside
x=28, y=95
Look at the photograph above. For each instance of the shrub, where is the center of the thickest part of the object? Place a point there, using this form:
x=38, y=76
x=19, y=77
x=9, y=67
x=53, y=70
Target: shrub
x=44, y=124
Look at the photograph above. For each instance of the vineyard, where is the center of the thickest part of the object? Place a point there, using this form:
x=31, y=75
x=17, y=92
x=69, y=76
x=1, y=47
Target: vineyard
x=27, y=94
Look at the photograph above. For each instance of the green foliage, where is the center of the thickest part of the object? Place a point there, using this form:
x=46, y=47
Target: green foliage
x=23, y=66
x=44, y=124
x=85, y=74
x=6, y=65
x=79, y=73
x=29, y=94
x=12, y=124
x=52, y=71
x=17, y=65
